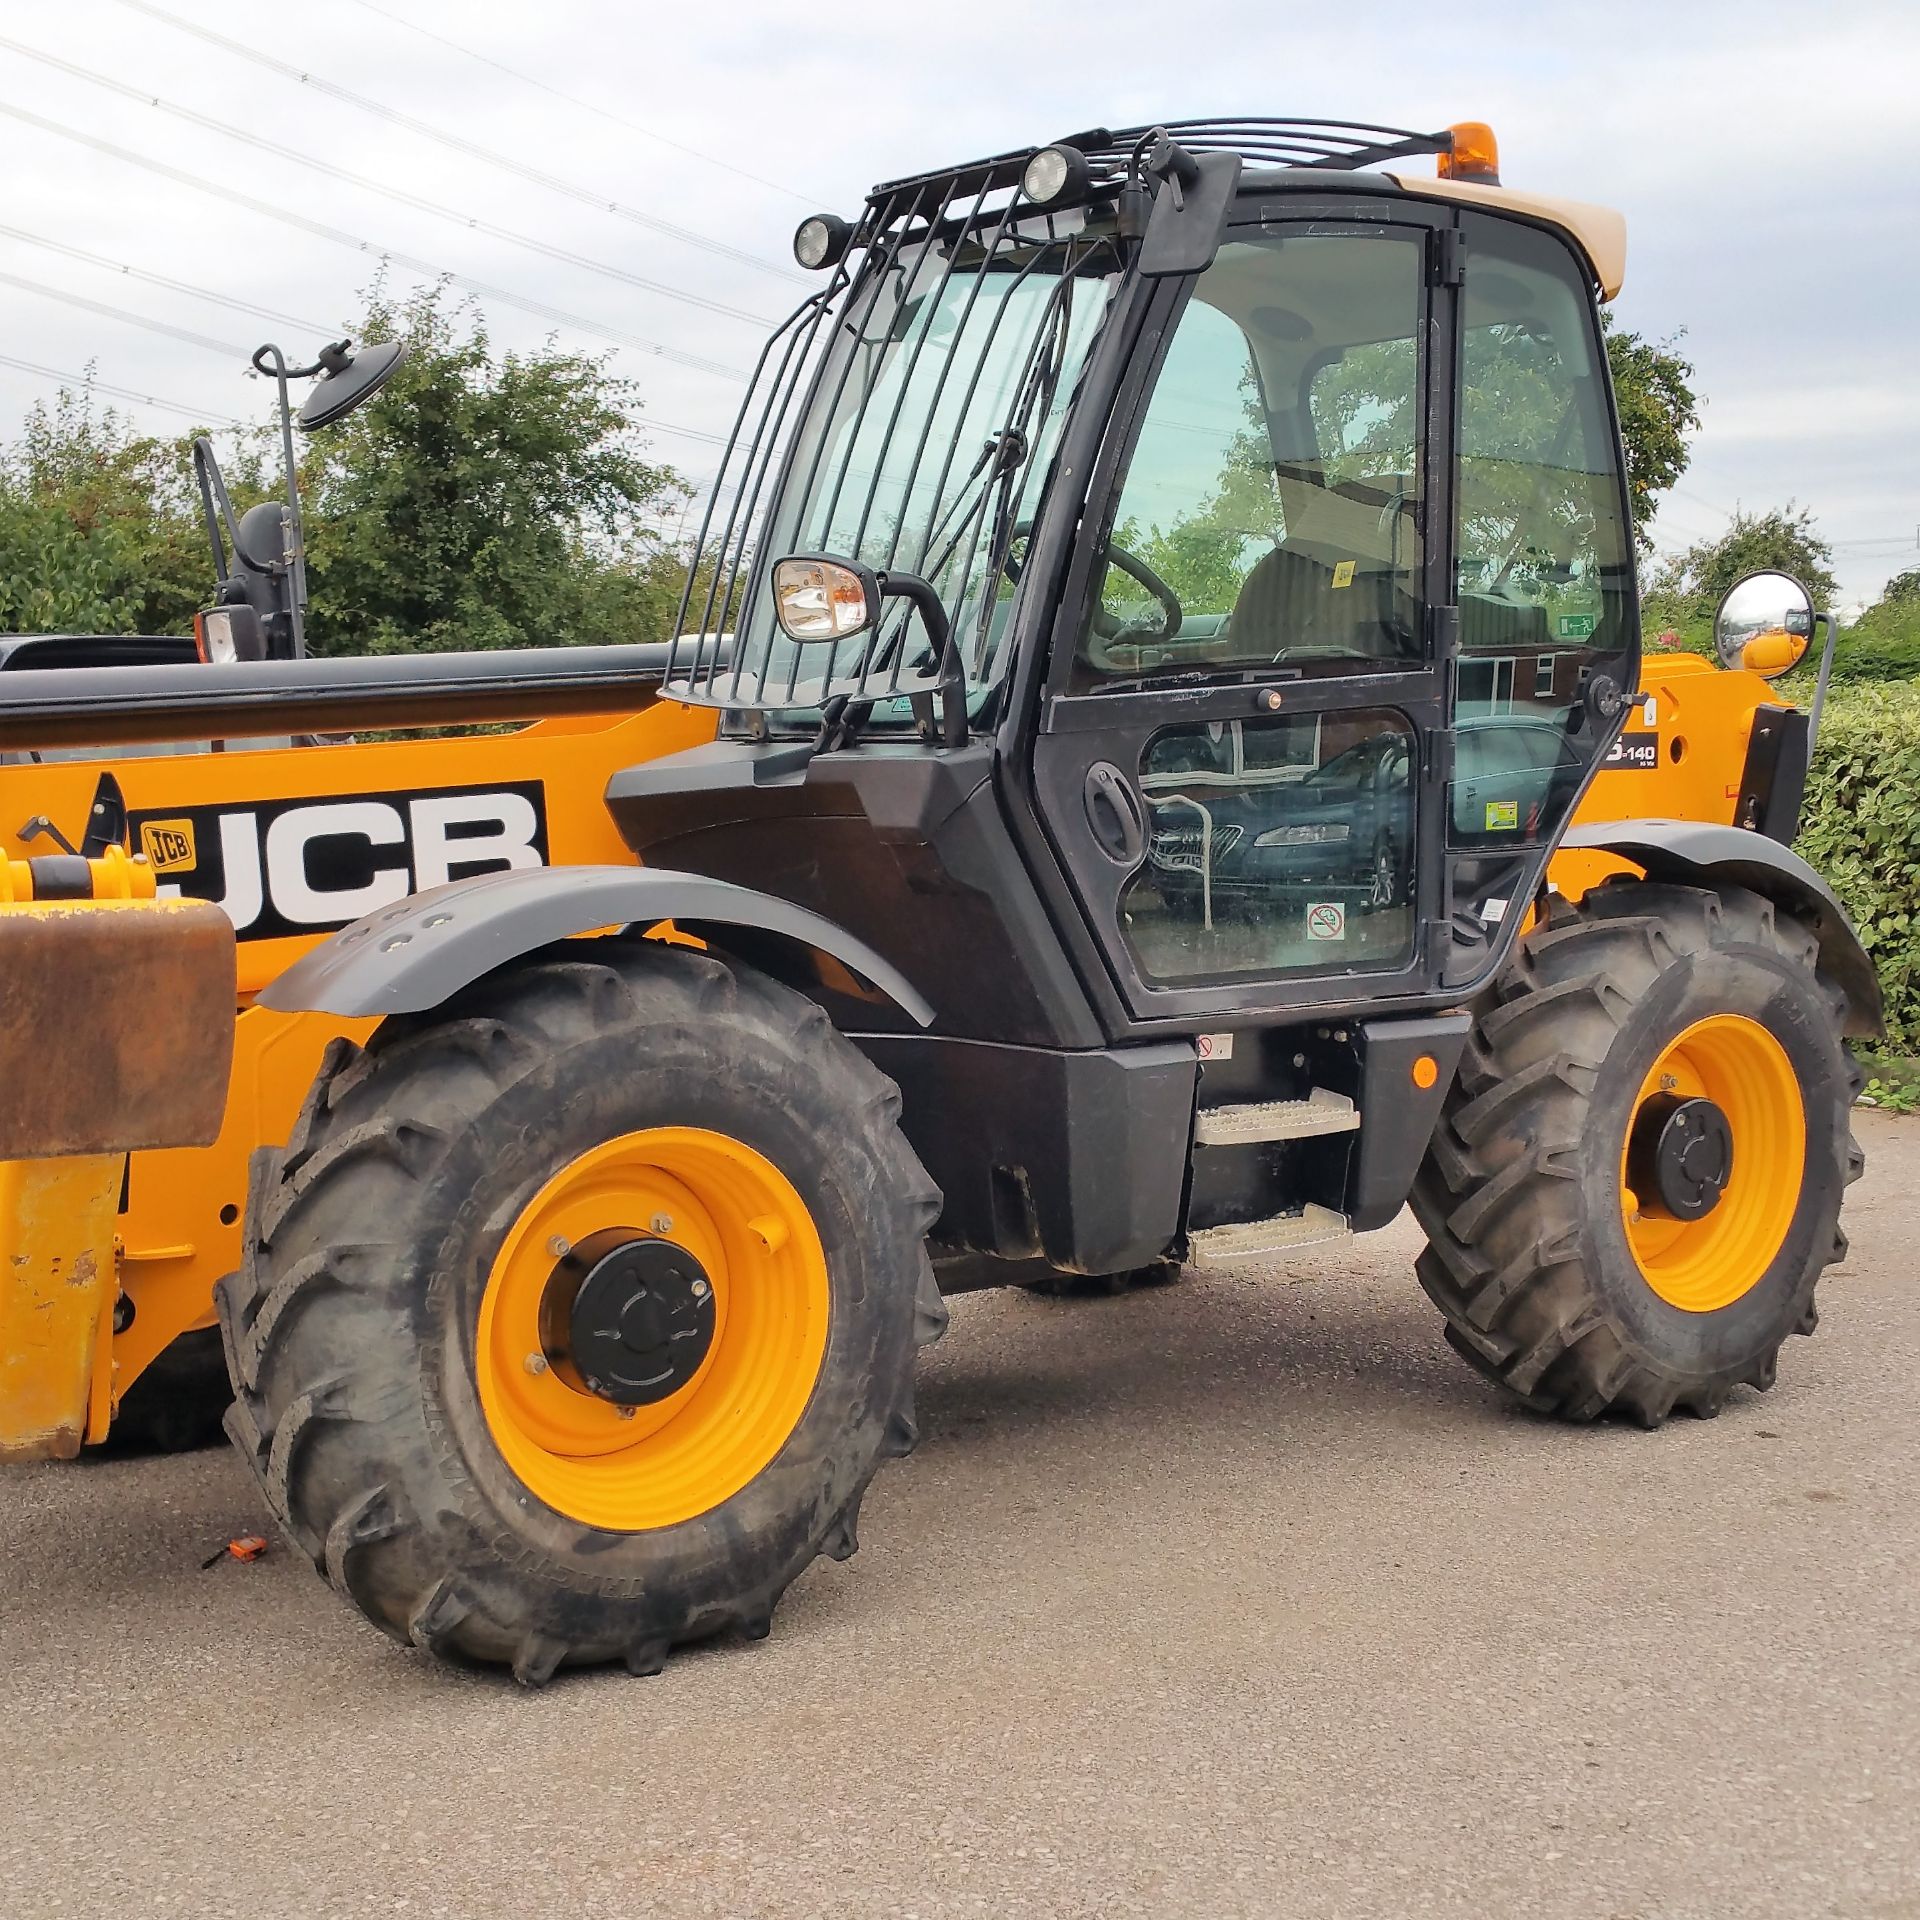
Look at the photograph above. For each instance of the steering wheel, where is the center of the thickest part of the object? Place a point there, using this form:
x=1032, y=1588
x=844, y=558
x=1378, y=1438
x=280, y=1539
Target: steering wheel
x=1109, y=637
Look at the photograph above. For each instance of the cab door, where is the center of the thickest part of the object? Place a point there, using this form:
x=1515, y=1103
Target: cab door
x=1242, y=753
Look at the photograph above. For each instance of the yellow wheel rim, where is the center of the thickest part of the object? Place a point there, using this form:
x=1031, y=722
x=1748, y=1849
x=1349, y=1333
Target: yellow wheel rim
x=628, y=1469
x=1706, y=1264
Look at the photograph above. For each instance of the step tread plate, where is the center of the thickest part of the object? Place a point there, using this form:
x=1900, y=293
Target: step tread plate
x=1310, y=1227
x=1236, y=1126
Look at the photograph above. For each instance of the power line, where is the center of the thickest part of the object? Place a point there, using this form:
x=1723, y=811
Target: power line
x=231, y=350
x=89, y=383
x=588, y=106
x=414, y=265
x=381, y=187
x=329, y=327
x=225, y=348
x=643, y=420
x=552, y=182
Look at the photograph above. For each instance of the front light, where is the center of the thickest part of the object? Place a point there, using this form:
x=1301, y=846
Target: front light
x=820, y=240
x=1055, y=176
x=223, y=635
x=1319, y=833
x=822, y=599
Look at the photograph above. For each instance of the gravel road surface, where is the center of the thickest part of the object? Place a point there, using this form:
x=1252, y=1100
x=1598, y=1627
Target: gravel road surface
x=1241, y=1596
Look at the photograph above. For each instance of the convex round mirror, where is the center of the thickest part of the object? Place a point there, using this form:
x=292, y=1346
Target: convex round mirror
x=349, y=379
x=1764, y=623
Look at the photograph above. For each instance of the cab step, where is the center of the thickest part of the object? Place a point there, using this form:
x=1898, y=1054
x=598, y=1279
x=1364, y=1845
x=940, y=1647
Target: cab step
x=1320, y=1112
x=1283, y=1233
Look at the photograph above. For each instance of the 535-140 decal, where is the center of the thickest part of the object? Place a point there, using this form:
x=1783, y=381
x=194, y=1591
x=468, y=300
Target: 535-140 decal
x=280, y=867
x=1633, y=752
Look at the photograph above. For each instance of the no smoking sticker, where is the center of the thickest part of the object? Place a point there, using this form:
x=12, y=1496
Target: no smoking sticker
x=1327, y=921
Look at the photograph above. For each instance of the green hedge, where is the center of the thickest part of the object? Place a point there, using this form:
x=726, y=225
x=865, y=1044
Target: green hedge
x=1862, y=830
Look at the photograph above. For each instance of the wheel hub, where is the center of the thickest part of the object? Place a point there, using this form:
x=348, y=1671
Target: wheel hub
x=1680, y=1154
x=635, y=1314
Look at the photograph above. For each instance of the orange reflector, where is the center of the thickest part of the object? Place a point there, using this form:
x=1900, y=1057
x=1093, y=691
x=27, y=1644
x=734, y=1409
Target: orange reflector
x=1475, y=154
x=1426, y=1070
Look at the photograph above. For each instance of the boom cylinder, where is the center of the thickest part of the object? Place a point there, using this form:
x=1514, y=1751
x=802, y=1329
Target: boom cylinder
x=108, y=706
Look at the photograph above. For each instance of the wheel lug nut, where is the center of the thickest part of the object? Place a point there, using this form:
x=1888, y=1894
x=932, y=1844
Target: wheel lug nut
x=536, y=1363
x=700, y=1289
x=662, y=1223
x=559, y=1246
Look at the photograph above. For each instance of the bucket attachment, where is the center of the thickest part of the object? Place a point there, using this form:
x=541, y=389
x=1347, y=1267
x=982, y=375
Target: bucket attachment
x=116, y=1032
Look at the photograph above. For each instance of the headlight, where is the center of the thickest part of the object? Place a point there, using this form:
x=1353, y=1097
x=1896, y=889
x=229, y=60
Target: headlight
x=1319, y=833
x=823, y=599
x=1056, y=176
x=820, y=240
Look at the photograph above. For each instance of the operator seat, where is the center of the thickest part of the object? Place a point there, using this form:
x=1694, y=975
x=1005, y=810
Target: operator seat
x=1333, y=581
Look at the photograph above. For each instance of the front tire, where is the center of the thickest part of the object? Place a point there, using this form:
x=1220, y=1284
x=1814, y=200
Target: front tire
x=434, y=1431
x=1554, y=1250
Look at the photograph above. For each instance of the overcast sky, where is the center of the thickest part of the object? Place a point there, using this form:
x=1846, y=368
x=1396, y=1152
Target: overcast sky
x=1766, y=157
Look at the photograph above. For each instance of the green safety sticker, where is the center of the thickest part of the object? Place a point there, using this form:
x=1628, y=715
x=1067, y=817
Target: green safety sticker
x=1502, y=815
x=1575, y=626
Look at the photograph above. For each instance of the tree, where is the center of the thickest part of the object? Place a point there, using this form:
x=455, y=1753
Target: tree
x=99, y=528
x=485, y=500
x=1884, y=643
x=1653, y=391
x=481, y=500
x=1783, y=539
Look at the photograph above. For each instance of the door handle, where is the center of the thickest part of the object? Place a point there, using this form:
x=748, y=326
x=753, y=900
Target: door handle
x=1115, y=814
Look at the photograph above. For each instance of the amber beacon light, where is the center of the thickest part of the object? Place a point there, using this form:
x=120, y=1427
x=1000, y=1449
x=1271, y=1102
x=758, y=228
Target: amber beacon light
x=1474, y=155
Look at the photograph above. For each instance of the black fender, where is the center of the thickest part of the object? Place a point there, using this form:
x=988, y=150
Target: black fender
x=416, y=954
x=1691, y=851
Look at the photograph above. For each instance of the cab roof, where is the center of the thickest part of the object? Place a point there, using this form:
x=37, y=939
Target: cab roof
x=1300, y=147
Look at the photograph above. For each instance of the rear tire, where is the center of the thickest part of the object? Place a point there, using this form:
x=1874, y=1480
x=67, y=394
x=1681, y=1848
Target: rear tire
x=368, y=1393
x=1543, y=1275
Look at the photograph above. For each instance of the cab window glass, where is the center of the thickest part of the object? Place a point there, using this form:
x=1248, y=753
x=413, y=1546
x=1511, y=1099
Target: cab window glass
x=1270, y=512
x=1275, y=845
x=1544, y=550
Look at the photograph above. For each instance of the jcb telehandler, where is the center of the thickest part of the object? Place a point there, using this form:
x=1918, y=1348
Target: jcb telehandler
x=1180, y=781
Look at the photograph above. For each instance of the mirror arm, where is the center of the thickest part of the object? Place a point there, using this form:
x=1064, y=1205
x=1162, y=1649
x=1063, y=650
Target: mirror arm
x=269, y=359
x=1820, y=683
x=216, y=507
x=933, y=615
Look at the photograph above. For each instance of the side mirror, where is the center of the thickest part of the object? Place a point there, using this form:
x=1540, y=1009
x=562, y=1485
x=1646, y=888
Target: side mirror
x=816, y=597
x=260, y=540
x=1764, y=623
x=348, y=380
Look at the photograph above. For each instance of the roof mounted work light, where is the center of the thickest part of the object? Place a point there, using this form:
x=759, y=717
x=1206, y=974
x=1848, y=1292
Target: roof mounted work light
x=821, y=240
x=1056, y=176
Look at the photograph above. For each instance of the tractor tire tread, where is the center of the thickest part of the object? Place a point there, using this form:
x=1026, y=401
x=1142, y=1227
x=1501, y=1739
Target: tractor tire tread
x=305, y=1300
x=1501, y=1168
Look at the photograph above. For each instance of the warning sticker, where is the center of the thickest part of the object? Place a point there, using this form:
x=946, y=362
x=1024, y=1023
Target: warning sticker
x=1327, y=921
x=1503, y=815
x=1343, y=573
x=1214, y=1046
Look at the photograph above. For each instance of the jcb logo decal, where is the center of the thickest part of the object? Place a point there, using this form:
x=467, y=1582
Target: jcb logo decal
x=306, y=866
x=168, y=844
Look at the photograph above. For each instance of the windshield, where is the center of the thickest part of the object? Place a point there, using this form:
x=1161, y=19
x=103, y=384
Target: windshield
x=925, y=448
